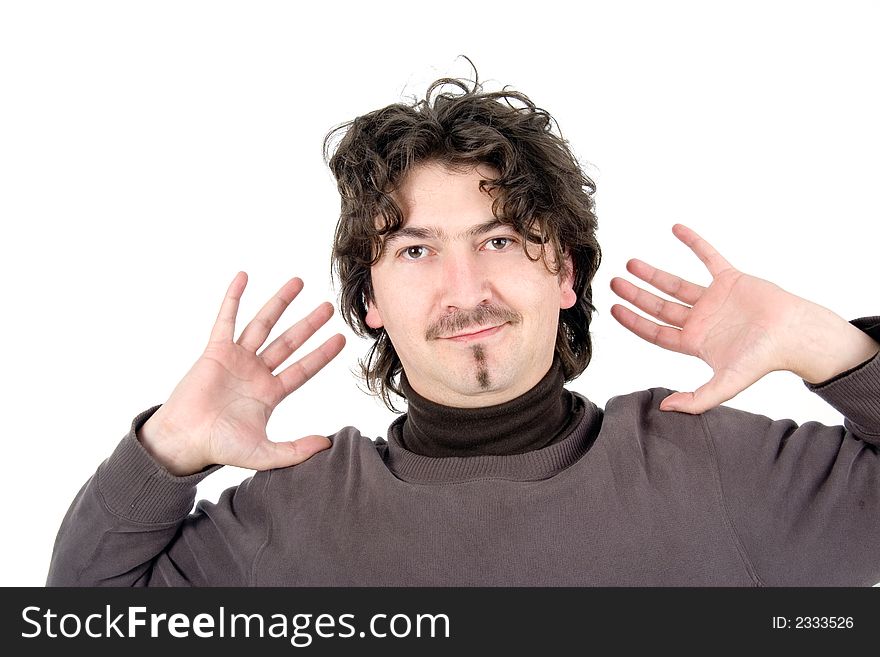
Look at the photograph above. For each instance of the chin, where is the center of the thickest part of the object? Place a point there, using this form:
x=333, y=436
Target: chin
x=486, y=381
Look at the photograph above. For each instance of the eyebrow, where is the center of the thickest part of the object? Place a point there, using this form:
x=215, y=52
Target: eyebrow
x=437, y=233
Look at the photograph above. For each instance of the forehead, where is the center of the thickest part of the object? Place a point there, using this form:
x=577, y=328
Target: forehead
x=434, y=194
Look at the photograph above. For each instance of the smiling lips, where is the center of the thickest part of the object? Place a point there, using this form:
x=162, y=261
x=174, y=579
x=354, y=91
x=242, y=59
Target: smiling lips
x=476, y=335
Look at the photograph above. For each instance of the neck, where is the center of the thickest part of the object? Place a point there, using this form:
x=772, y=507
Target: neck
x=536, y=419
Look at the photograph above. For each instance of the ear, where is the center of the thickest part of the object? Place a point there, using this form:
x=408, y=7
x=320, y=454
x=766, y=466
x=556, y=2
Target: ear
x=568, y=297
x=373, y=319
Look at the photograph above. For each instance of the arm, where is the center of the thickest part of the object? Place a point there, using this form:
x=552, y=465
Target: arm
x=855, y=392
x=129, y=524
x=804, y=501
x=124, y=520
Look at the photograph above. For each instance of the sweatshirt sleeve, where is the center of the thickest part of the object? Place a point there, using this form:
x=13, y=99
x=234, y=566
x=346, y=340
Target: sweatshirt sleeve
x=130, y=525
x=804, y=501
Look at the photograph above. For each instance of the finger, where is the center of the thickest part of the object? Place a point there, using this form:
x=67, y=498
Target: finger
x=306, y=367
x=666, y=311
x=271, y=455
x=722, y=387
x=224, y=326
x=294, y=337
x=672, y=285
x=662, y=336
x=258, y=329
x=713, y=260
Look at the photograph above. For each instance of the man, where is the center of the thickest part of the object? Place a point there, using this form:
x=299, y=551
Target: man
x=466, y=249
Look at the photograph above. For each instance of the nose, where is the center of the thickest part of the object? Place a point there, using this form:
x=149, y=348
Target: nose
x=465, y=283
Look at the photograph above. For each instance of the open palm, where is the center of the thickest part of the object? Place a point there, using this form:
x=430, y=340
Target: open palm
x=738, y=325
x=219, y=411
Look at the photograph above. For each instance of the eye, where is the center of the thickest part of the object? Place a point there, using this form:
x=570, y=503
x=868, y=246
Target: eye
x=414, y=252
x=499, y=243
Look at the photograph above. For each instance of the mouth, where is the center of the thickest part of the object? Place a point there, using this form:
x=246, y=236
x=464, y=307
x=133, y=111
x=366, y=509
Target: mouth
x=476, y=334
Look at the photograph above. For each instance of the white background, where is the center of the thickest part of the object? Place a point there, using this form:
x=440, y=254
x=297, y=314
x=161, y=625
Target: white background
x=148, y=151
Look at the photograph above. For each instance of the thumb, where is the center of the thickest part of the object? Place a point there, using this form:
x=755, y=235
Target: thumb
x=716, y=391
x=284, y=454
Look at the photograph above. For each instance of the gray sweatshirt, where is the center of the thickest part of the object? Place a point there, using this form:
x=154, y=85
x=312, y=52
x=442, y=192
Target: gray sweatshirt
x=632, y=497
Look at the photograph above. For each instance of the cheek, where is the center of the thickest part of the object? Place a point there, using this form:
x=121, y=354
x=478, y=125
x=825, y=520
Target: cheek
x=550, y=299
x=399, y=308
x=404, y=294
x=542, y=293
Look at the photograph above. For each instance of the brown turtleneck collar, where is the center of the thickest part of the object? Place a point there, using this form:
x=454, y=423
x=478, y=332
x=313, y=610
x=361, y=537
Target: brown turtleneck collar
x=536, y=419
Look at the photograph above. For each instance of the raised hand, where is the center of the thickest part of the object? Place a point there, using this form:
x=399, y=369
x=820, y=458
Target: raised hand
x=218, y=412
x=743, y=327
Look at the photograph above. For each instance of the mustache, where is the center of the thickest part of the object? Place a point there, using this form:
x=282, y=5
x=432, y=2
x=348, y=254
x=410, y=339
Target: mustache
x=457, y=321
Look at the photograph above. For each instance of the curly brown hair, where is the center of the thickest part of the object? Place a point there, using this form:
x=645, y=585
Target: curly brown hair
x=541, y=191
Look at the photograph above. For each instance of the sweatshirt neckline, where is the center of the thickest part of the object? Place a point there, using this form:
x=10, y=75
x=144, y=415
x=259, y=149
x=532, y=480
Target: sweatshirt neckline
x=536, y=419
x=529, y=466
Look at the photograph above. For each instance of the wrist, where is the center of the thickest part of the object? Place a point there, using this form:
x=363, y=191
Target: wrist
x=168, y=447
x=828, y=345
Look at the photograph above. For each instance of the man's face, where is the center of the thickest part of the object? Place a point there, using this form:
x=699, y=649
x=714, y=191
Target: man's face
x=472, y=318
